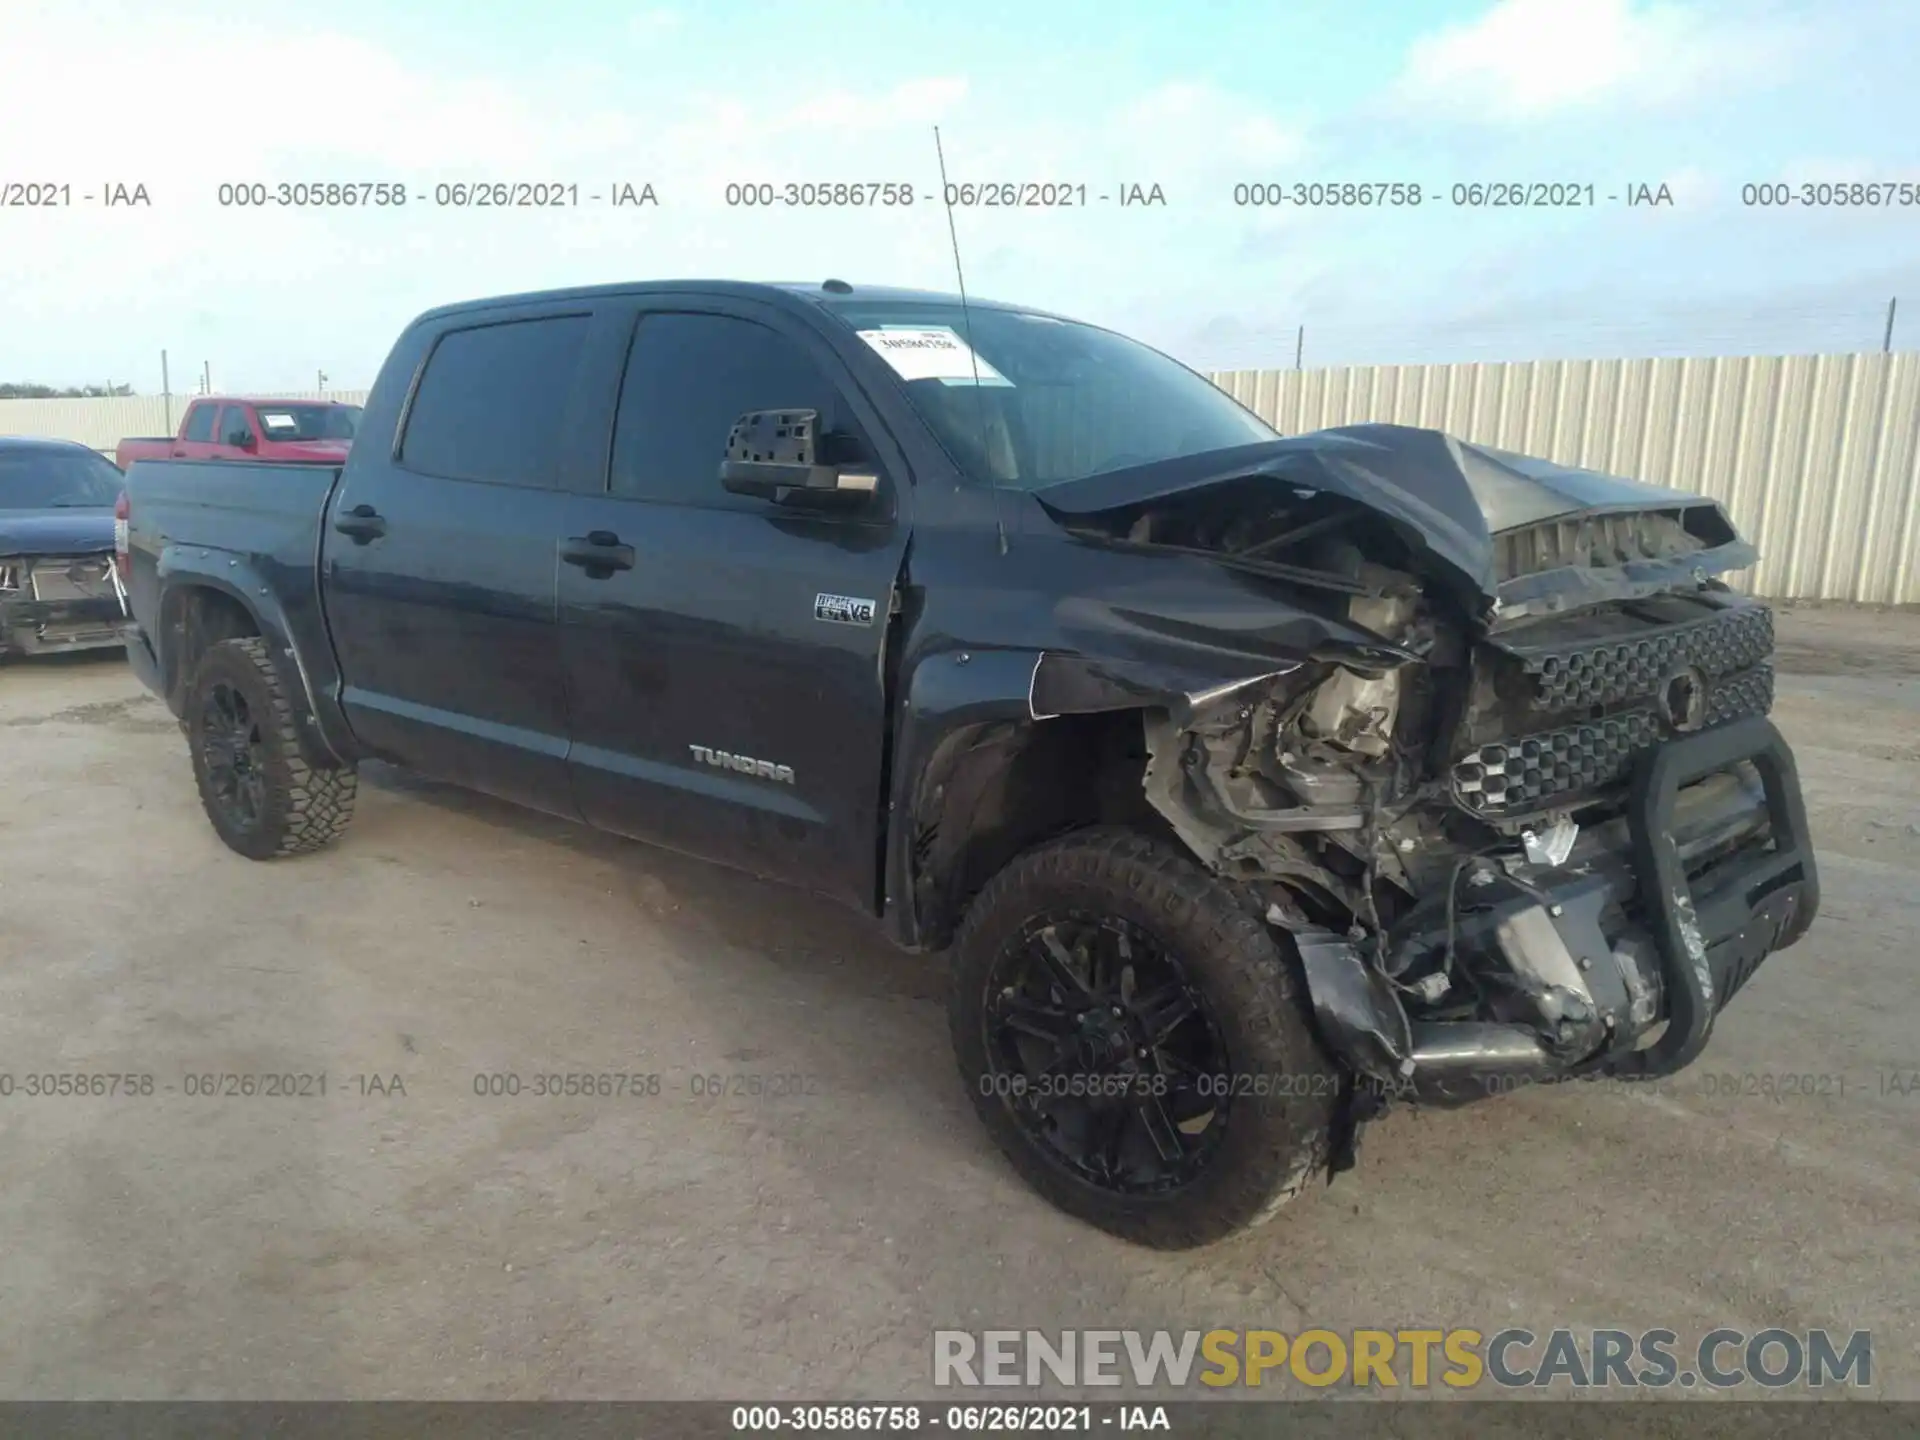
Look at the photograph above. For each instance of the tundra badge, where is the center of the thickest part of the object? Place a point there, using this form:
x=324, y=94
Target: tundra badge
x=843, y=609
x=726, y=760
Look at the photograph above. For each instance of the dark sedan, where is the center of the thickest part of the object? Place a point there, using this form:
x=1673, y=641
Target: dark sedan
x=59, y=586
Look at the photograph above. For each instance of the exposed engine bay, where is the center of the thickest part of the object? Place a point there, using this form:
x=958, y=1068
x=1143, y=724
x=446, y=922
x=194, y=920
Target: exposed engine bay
x=1550, y=840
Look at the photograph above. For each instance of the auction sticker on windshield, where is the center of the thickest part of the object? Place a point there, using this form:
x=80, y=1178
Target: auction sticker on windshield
x=935, y=353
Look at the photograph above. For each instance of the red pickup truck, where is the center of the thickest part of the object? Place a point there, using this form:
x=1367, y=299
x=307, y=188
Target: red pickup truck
x=236, y=428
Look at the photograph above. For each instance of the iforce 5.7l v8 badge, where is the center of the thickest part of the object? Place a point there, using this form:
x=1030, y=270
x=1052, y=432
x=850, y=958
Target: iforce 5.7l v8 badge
x=843, y=609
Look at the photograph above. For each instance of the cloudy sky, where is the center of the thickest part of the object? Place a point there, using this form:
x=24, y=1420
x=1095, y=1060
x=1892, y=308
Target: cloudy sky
x=1703, y=96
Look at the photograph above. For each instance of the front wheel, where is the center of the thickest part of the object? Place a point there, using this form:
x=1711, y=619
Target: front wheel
x=1136, y=1042
x=263, y=796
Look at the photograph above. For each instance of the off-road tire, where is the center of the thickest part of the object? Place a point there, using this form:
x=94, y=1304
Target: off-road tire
x=1275, y=1144
x=307, y=806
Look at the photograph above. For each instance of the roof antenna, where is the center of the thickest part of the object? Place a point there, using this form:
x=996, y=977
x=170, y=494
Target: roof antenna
x=966, y=324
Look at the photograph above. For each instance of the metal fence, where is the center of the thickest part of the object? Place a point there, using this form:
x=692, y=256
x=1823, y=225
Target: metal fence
x=1817, y=457
x=104, y=421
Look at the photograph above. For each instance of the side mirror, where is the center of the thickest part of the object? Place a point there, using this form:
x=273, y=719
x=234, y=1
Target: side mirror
x=241, y=438
x=773, y=454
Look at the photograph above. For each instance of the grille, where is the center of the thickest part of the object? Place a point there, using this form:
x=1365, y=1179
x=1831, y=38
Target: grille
x=1607, y=671
x=1734, y=697
x=1528, y=772
x=1523, y=774
x=1579, y=698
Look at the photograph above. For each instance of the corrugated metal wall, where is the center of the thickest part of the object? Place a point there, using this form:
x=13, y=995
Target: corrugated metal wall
x=104, y=421
x=1817, y=457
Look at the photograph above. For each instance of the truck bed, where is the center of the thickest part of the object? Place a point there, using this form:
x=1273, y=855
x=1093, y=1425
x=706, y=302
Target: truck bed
x=252, y=529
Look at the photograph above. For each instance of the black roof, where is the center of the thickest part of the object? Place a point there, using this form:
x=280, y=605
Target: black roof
x=779, y=292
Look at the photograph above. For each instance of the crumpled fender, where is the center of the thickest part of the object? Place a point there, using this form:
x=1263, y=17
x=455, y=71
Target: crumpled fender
x=1086, y=684
x=951, y=695
x=1162, y=642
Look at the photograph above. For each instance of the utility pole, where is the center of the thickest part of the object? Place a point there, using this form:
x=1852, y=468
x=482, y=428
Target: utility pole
x=166, y=393
x=323, y=384
x=1886, y=344
x=1299, y=346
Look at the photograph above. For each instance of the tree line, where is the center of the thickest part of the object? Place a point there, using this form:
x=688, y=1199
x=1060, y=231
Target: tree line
x=25, y=390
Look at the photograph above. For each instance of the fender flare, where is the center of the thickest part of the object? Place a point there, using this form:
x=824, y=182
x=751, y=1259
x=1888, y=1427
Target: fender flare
x=946, y=694
x=183, y=568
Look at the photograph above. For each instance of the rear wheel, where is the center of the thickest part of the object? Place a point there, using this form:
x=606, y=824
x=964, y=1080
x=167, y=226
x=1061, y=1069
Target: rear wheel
x=263, y=796
x=1134, y=1040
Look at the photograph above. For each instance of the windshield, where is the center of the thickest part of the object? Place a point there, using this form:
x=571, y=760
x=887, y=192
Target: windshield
x=308, y=422
x=35, y=479
x=1057, y=400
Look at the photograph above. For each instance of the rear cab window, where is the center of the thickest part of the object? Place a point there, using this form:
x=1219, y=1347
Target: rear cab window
x=199, y=426
x=492, y=400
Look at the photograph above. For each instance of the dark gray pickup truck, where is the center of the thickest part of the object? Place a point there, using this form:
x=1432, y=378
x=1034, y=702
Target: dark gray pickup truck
x=1254, y=783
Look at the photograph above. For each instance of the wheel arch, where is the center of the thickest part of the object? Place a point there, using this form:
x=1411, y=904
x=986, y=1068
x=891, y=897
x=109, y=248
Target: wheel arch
x=997, y=789
x=986, y=778
x=1000, y=750
x=199, y=609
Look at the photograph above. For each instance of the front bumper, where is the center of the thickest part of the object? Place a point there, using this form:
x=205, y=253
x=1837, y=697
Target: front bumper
x=50, y=627
x=1617, y=962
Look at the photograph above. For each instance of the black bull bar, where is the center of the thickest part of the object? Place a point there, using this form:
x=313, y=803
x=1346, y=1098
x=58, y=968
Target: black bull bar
x=1713, y=930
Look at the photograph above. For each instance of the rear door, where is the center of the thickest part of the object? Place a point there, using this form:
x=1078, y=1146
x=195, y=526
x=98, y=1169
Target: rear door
x=712, y=639
x=440, y=556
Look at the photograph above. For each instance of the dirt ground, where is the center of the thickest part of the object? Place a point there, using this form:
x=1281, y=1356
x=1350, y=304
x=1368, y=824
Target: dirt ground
x=403, y=1236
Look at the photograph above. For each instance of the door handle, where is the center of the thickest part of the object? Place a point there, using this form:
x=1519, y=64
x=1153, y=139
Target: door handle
x=362, y=522
x=599, y=553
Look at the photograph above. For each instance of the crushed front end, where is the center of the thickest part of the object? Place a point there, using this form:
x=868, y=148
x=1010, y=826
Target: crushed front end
x=55, y=603
x=1554, y=839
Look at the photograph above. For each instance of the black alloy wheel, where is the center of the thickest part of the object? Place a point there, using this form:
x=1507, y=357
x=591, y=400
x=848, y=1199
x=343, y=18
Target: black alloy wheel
x=265, y=794
x=1137, y=1041
x=233, y=755
x=1105, y=1052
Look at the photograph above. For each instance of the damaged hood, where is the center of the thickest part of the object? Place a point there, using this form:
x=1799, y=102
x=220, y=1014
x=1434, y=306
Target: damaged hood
x=1449, y=498
x=59, y=531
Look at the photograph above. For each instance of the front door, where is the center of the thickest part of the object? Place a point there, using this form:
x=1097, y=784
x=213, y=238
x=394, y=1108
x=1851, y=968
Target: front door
x=234, y=437
x=726, y=679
